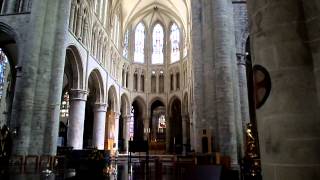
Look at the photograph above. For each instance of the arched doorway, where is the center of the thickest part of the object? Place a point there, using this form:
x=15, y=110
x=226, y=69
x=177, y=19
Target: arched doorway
x=111, y=125
x=8, y=74
x=72, y=79
x=175, y=123
x=158, y=126
x=94, y=99
x=138, y=115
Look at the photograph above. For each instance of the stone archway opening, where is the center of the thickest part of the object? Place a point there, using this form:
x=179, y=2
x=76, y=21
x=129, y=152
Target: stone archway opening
x=94, y=112
x=111, y=135
x=124, y=123
x=158, y=127
x=137, y=112
x=71, y=81
x=175, y=123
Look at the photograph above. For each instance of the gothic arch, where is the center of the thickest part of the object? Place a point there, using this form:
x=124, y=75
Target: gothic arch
x=141, y=102
x=125, y=104
x=156, y=99
x=74, y=67
x=172, y=99
x=96, y=82
x=112, y=99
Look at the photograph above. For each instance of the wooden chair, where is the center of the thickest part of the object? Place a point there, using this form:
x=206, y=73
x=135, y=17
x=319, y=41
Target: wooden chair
x=17, y=162
x=45, y=161
x=31, y=160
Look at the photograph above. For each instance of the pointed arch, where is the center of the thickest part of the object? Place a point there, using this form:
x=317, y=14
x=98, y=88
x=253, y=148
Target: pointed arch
x=74, y=67
x=112, y=99
x=95, y=86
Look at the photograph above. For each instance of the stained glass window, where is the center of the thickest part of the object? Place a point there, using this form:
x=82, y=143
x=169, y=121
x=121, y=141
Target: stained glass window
x=64, y=110
x=157, y=45
x=3, y=69
x=126, y=45
x=175, y=43
x=139, y=44
x=162, y=123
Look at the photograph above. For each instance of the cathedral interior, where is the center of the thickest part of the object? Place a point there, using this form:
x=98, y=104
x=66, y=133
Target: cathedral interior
x=219, y=89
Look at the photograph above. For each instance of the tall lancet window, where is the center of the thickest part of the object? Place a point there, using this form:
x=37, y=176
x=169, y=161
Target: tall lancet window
x=126, y=45
x=175, y=43
x=157, y=44
x=139, y=44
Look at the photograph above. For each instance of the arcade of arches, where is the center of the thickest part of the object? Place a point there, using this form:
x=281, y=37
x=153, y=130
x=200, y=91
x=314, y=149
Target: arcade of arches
x=177, y=73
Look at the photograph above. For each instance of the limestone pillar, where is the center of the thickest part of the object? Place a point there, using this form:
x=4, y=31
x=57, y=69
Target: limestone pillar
x=116, y=130
x=79, y=23
x=8, y=7
x=224, y=51
x=311, y=14
x=27, y=5
x=168, y=134
x=76, y=118
x=157, y=83
x=56, y=82
x=72, y=15
x=288, y=124
x=99, y=126
x=184, y=133
x=127, y=120
x=243, y=91
x=36, y=105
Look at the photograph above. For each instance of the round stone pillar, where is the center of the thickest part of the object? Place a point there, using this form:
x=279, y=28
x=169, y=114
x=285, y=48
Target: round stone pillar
x=8, y=6
x=116, y=130
x=244, y=101
x=127, y=120
x=76, y=118
x=224, y=51
x=99, y=126
x=72, y=13
x=288, y=123
x=184, y=133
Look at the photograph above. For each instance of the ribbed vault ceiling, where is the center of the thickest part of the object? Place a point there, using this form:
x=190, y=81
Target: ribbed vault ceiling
x=178, y=9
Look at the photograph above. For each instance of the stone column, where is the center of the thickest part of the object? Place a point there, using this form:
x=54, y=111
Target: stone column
x=116, y=129
x=243, y=90
x=184, y=133
x=79, y=23
x=56, y=82
x=99, y=126
x=157, y=83
x=27, y=6
x=224, y=53
x=72, y=14
x=288, y=123
x=76, y=118
x=36, y=106
x=8, y=7
x=138, y=81
x=168, y=134
x=127, y=120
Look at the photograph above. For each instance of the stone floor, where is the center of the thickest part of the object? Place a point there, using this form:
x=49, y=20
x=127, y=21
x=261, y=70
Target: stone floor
x=164, y=168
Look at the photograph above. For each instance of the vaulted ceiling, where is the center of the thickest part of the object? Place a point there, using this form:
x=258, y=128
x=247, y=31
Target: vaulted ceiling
x=178, y=9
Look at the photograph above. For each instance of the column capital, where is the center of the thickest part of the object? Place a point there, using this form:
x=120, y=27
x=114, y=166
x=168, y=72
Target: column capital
x=241, y=59
x=78, y=94
x=100, y=107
